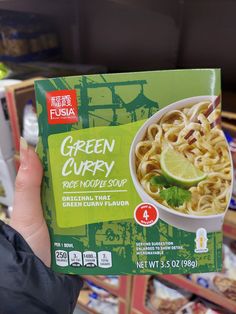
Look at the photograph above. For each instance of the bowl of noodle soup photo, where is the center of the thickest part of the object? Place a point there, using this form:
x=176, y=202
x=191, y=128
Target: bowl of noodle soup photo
x=180, y=162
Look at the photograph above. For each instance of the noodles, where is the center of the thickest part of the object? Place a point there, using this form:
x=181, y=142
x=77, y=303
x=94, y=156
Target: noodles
x=208, y=152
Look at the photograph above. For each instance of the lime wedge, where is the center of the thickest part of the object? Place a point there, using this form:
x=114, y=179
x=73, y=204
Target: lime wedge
x=178, y=170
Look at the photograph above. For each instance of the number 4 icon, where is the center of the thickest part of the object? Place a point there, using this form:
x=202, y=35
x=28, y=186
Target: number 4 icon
x=145, y=215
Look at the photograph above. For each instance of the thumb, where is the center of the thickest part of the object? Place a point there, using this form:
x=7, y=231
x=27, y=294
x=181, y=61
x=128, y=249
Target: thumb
x=27, y=213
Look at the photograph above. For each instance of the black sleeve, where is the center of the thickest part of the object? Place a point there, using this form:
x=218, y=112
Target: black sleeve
x=27, y=285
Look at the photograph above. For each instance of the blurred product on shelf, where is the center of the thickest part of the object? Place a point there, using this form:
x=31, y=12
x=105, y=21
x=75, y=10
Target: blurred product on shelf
x=30, y=124
x=111, y=280
x=200, y=306
x=27, y=70
x=7, y=166
x=204, y=279
x=96, y=289
x=164, y=298
x=7, y=179
x=53, y=69
x=226, y=286
x=98, y=299
x=19, y=42
x=103, y=306
x=4, y=71
x=147, y=300
x=224, y=282
x=6, y=143
x=17, y=97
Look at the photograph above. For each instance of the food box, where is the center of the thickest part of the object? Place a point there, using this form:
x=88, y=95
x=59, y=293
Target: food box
x=137, y=171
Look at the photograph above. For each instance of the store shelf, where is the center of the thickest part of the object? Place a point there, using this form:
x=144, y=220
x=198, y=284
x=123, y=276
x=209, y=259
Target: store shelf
x=122, y=308
x=229, y=126
x=229, y=227
x=208, y=294
x=122, y=290
x=138, y=299
x=139, y=295
x=228, y=115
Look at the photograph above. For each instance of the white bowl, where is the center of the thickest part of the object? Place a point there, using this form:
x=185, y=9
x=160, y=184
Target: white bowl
x=179, y=220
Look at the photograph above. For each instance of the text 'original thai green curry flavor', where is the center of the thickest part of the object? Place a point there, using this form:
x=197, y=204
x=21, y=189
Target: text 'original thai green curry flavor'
x=137, y=171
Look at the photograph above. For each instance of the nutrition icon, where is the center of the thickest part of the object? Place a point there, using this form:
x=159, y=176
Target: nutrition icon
x=75, y=259
x=104, y=259
x=90, y=259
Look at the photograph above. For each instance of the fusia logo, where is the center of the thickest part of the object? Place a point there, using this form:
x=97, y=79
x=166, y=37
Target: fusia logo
x=62, y=107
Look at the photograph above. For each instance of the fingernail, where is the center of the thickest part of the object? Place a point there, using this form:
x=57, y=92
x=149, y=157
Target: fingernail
x=23, y=153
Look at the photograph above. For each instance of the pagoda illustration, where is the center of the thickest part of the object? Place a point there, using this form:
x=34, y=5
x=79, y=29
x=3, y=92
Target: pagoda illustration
x=87, y=109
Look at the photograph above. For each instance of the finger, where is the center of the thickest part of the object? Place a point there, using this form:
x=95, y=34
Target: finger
x=27, y=209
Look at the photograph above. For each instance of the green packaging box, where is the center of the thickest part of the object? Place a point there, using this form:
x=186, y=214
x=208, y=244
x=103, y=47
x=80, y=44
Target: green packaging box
x=137, y=172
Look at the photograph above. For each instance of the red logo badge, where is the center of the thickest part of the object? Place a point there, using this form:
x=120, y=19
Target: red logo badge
x=62, y=107
x=146, y=214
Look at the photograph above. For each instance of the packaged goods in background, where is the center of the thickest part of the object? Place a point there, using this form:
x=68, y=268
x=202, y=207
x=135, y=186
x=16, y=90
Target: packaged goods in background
x=165, y=298
x=26, y=37
x=200, y=306
x=17, y=96
x=110, y=279
x=6, y=144
x=102, y=306
x=30, y=124
x=103, y=293
x=225, y=281
x=4, y=70
x=137, y=171
x=7, y=179
x=98, y=299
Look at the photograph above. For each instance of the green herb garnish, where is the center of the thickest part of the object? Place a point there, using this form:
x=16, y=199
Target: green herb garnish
x=160, y=181
x=175, y=196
